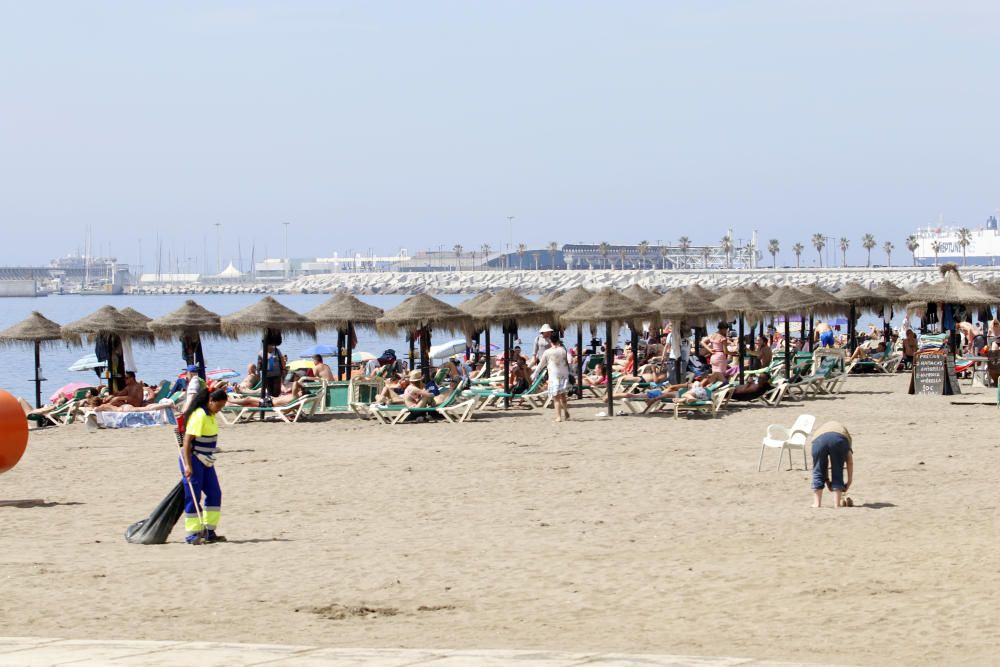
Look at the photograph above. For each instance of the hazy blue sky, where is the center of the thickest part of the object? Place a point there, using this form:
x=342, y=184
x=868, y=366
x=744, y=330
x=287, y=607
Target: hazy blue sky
x=417, y=124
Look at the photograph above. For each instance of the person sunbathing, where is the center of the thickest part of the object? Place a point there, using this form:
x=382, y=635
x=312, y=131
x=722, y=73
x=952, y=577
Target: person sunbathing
x=250, y=381
x=416, y=396
x=94, y=403
x=596, y=377
x=695, y=392
x=393, y=391
x=752, y=390
x=131, y=394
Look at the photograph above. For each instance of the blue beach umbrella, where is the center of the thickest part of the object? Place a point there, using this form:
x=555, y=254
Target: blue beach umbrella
x=319, y=349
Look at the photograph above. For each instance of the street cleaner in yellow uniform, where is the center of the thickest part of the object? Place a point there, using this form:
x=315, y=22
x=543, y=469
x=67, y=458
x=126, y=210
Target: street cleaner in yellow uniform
x=202, y=494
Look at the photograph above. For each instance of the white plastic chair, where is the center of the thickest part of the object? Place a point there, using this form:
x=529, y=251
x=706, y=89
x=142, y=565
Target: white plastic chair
x=780, y=437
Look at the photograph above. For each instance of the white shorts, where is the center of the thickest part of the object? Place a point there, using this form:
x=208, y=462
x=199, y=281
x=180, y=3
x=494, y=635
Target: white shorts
x=557, y=387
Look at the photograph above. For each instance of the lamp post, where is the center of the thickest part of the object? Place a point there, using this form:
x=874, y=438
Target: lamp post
x=510, y=238
x=286, y=248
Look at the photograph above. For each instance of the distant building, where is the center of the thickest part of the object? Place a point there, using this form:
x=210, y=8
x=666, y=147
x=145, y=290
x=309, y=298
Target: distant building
x=983, y=248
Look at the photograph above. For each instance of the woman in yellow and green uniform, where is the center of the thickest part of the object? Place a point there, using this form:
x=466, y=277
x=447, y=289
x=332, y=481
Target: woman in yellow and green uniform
x=201, y=486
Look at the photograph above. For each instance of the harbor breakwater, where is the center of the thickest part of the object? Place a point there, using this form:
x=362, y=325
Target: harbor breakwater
x=542, y=282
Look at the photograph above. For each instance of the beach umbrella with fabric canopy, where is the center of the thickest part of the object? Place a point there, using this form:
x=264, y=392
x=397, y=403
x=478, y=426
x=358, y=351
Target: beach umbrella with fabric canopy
x=566, y=302
x=35, y=330
x=743, y=303
x=423, y=313
x=188, y=324
x=610, y=307
x=67, y=390
x=788, y=300
x=466, y=307
x=87, y=363
x=510, y=310
x=345, y=313
x=270, y=319
x=679, y=305
x=858, y=297
x=109, y=327
x=320, y=349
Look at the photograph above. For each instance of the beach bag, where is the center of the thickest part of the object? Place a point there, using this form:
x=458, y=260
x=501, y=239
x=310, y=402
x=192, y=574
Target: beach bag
x=155, y=529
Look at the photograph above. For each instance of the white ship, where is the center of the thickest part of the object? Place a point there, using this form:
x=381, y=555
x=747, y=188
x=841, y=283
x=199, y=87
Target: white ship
x=937, y=245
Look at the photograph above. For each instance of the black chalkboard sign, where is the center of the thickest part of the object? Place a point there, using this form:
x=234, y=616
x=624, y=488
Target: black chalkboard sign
x=930, y=374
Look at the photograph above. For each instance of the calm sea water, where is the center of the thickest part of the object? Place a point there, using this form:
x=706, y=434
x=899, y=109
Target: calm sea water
x=163, y=361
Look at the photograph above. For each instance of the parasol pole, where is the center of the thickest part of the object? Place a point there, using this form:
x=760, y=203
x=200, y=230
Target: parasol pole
x=410, y=338
x=263, y=371
x=788, y=351
x=506, y=366
x=340, y=354
x=488, y=370
x=851, y=343
x=579, y=362
x=635, y=349
x=38, y=375
x=350, y=349
x=609, y=357
x=741, y=348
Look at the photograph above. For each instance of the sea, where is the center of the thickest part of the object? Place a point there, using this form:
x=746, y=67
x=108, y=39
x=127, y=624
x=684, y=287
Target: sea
x=163, y=360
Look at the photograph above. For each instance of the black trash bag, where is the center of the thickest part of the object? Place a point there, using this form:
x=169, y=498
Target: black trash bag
x=155, y=529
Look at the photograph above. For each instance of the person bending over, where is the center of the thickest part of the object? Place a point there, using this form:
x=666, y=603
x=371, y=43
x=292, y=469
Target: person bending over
x=832, y=451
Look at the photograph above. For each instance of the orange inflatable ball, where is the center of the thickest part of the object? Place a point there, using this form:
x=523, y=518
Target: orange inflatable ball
x=13, y=432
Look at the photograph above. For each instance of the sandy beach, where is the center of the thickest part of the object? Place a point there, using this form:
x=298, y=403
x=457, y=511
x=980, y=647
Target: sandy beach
x=638, y=534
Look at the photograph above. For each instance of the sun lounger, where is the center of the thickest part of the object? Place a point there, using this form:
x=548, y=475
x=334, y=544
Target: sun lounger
x=451, y=409
x=774, y=396
x=65, y=413
x=493, y=396
x=302, y=405
x=715, y=402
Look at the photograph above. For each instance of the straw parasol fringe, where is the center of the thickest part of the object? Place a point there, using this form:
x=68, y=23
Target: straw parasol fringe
x=423, y=311
x=824, y=303
x=107, y=321
x=342, y=309
x=267, y=314
x=609, y=305
x=686, y=304
x=569, y=300
x=36, y=328
x=508, y=308
x=187, y=321
x=859, y=296
x=952, y=289
x=742, y=302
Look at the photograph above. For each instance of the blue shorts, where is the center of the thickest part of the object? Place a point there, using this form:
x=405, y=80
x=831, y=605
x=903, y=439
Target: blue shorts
x=826, y=339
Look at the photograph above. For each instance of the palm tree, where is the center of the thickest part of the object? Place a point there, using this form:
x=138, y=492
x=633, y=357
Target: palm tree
x=819, y=242
x=604, y=249
x=912, y=244
x=458, y=255
x=797, y=249
x=845, y=243
x=536, y=255
x=621, y=256
x=868, y=242
x=521, y=249
x=774, y=247
x=684, y=243
x=964, y=239
x=727, y=247
x=664, y=251
x=936, y=248
x=887, y=248
x=706, y=252
x=553, y=248
x=643, y=251
x=486, y=249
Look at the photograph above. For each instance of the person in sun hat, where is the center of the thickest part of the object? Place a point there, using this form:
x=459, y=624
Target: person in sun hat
x=542, y=343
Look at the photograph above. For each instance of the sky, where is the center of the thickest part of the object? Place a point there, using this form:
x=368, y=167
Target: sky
x=372, y=126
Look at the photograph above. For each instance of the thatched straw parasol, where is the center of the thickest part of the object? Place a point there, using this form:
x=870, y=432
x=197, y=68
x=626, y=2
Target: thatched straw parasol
x=345, y=313
x=467, y=307
x=35, y=330
x=548, y=297
x=639, y=294
x=269, y=318
x=566, y=302
x=698, y=290
x=135, y=315
x=611, y=307
x=190, y=319
x=510, y=310
x=111, y=325
x=746, y=305
x=857, y=297
x=683, y=304
x=950, y=290
x=891, y=293
x=422, y=313
x=188, y=324
x=787, y=300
